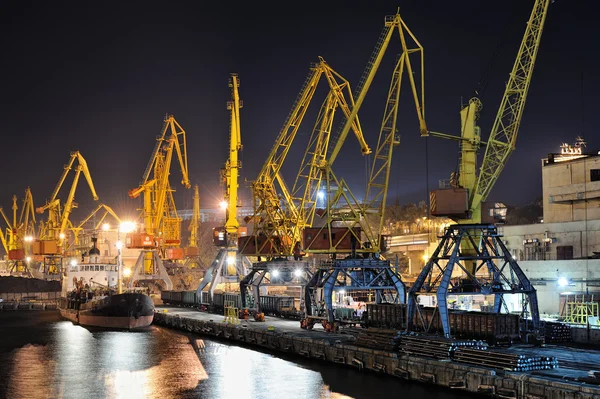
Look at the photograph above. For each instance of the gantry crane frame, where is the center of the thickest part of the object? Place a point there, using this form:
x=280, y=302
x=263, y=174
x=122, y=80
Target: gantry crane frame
x=227, y=263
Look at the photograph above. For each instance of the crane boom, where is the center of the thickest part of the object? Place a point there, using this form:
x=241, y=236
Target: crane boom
x=391, y=23
x=503, y=136
x=27, y=212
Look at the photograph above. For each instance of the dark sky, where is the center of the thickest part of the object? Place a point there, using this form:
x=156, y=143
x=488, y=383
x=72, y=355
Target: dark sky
x=98, y=77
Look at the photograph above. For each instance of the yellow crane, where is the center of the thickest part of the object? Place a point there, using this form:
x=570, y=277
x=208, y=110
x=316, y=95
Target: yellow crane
x=486, y=264
x=353, y=228
x=231, y=173
x=281, y=215
x=161, y=224
x=228, y=252
x=470, y=189
x=19, y=234
x=52, y=237
x=12, y=241
x=354, y=218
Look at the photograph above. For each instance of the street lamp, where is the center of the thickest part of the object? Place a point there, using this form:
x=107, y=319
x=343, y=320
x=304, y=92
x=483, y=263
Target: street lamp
x=223, y=205
x=105, y=226
x=127, y=227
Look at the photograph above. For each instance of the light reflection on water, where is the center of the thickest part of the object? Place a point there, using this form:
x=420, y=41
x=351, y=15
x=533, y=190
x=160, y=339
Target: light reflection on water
x=52, y=358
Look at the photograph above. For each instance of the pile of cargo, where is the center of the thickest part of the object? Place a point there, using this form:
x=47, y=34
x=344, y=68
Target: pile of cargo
x=555, y=332
x=375, y=338
x=437, y=347
x=21, y=289
x=506, y=361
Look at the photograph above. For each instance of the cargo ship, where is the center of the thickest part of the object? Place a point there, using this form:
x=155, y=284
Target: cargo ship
x=130, y=310
x=91, y=295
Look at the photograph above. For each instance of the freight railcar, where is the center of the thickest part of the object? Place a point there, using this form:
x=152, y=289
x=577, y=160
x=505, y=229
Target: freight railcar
x=494, y=328
x=280, y=306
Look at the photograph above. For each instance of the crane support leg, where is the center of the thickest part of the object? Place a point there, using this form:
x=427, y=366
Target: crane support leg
x=328, y=294
x=495, y=273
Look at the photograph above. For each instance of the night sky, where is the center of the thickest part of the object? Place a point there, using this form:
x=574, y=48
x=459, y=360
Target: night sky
x=99, y=77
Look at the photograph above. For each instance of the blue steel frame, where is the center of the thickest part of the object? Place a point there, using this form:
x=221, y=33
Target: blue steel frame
x=504, y=276
x=352, y=275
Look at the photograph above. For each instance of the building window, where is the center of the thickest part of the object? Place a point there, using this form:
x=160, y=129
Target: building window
x=594, y=174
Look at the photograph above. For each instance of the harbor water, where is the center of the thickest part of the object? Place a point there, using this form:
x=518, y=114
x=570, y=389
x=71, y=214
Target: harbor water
x=43, y=356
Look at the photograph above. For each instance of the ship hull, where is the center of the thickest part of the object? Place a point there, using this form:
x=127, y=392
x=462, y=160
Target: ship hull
x=123, y=311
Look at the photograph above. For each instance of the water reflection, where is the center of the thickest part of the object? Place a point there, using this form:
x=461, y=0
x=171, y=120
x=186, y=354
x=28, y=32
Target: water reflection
x=70, y=361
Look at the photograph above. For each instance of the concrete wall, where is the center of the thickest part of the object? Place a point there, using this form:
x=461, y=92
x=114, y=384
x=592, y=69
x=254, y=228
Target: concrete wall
x=566, y=186
x=583, y=236
x=545, y=274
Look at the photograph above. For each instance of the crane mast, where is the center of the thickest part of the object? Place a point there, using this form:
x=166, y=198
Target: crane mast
x=195, y=222
x=233, y=164
x=227, y=264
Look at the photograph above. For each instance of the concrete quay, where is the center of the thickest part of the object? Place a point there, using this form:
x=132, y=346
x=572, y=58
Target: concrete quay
x=286, y=336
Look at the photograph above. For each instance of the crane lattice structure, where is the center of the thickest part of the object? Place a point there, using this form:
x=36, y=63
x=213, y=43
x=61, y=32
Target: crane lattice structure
x=19, y=236
x=228, y=265
x=52, y=239
x=281, y=214
x=349, y=227
x=472, y=189
x=161, y=224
